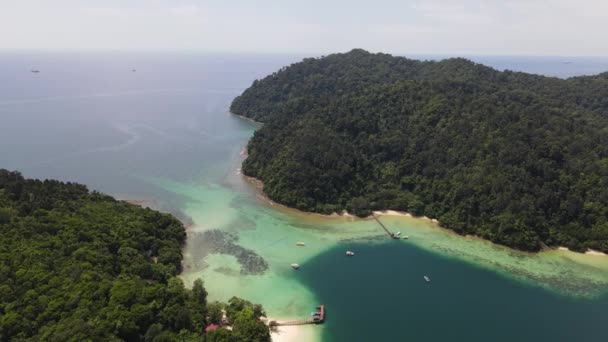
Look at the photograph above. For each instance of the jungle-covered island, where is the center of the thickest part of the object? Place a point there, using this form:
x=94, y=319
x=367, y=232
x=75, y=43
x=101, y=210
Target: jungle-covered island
x=515, y=158
x=77, y=265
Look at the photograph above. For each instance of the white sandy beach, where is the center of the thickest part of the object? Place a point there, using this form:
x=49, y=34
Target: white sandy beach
x=294, y=333
x=392, y=213
x=342, y=214
x=287, y=334
x=588, y=252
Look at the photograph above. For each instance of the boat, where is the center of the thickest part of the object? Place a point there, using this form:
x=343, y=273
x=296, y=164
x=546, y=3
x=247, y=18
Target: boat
x=35, y=71
x=295, y=266
x=349, y=253
x=405, y=237
x=427, y=279
x=398, y=233
x=300, y=243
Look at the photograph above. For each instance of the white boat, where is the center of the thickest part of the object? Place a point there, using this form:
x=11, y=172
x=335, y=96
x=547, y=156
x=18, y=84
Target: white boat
x=300, y=243
x=398, y=233
x=405, y=237
x=427, y=279
x=295, y=266
x=349, y=253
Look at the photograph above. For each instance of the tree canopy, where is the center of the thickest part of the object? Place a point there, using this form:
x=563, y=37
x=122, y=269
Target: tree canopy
x=81, y=266
x=516, y=158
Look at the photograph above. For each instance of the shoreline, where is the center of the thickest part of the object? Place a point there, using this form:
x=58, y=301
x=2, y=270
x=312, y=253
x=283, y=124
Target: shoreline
x=138, y=201
x=292, y=333
x=246, y=118
x=287, y=333
x=261, y=195
x=587, y=252
x=258, y=186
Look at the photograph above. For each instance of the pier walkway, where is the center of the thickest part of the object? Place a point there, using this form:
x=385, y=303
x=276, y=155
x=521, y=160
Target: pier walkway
x=391, y=234
x=317, y=318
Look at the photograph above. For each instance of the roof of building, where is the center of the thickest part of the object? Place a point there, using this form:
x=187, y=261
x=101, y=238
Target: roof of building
x=211, y=327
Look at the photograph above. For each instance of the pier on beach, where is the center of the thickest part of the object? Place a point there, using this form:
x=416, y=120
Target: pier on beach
x=317, y=318
x=391, y=234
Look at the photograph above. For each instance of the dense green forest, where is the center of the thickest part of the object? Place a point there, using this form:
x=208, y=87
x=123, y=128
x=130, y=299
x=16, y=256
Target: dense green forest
x=81, y=266
x=519, y=159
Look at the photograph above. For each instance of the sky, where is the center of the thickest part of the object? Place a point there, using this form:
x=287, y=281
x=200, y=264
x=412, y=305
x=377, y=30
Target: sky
x=465, y=27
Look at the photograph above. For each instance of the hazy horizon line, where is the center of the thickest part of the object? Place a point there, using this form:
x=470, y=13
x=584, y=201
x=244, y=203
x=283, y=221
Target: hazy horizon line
x=285, y=54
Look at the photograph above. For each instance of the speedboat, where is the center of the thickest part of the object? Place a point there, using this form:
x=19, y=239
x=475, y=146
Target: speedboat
x=349, y=253
x=427, y=279
x=295, y=266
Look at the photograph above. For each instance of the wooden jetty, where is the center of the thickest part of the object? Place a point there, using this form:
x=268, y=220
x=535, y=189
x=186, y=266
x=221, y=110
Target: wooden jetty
x=391, y=234
x=317, y=318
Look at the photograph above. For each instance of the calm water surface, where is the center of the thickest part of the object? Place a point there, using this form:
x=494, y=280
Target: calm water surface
x=163, y=134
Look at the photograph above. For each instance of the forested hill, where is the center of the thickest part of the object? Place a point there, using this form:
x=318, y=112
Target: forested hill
x=80, y=266
x=516, y=158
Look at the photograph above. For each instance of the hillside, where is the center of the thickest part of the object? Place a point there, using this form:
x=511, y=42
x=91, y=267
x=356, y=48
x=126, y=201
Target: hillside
x=519, y=159
x=81, y=266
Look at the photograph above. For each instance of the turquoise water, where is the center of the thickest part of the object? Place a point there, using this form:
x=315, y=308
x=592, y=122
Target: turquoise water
x=163, y=136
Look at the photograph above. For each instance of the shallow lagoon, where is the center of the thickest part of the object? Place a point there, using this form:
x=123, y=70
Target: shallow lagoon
x=382, y=285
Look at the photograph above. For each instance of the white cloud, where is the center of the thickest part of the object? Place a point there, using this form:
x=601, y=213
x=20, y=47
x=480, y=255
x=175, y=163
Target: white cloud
x=186, y=10
x=548, y=27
